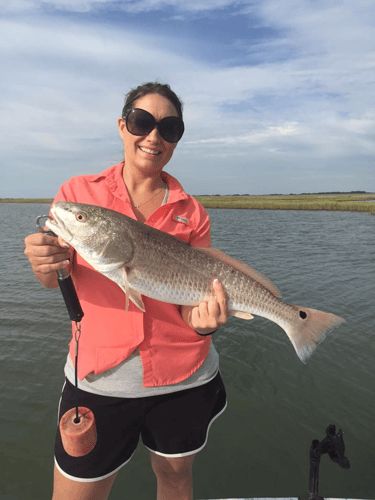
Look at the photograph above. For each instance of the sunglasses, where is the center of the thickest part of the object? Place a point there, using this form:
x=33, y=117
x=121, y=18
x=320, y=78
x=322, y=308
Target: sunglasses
x=141, y=122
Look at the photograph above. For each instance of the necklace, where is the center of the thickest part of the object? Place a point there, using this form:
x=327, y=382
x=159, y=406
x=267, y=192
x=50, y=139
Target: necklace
x=144, y=202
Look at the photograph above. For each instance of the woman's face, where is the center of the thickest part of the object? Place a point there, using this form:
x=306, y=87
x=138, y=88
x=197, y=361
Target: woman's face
x=149, y=152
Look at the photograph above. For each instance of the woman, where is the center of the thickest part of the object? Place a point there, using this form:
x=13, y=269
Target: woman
x=152, y=374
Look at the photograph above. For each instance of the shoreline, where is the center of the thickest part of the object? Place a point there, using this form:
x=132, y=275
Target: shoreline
x=26, y=200
x=328, y=202
x=349, y=202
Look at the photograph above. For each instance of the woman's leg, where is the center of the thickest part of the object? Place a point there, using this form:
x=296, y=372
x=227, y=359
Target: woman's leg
x=67, y=489
x=175, y=429
x=174, y=477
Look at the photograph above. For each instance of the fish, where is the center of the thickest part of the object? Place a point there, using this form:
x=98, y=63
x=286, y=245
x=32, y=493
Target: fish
x=143, y=260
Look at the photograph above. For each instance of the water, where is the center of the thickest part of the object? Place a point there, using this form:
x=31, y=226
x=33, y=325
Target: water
x=277, y=405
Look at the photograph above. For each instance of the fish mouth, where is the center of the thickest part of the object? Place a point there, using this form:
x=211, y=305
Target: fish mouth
x=57, y=226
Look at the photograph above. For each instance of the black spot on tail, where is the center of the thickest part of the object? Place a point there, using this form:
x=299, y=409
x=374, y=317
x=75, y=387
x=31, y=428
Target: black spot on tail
x=302, y=315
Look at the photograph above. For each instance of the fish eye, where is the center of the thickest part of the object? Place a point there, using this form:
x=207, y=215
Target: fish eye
x=81, y=217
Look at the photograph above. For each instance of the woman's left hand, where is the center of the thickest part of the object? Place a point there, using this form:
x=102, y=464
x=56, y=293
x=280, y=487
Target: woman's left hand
x=209, y=315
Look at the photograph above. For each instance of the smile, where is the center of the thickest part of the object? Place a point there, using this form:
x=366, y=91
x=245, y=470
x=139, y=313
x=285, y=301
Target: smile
x=150, y=151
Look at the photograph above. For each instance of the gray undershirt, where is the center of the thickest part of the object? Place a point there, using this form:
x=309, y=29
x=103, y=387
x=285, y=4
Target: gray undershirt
x=126, y=379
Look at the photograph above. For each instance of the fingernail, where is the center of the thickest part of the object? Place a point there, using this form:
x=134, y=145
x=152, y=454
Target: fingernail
x=65, y=245
x=217, y=282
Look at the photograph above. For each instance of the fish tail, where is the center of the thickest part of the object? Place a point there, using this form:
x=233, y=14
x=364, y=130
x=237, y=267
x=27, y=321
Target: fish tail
x=309, y=329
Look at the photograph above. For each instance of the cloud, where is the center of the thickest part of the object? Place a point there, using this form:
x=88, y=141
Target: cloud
x=255, y=137
x=135, y=6
x=23, y=6
x=297, y=92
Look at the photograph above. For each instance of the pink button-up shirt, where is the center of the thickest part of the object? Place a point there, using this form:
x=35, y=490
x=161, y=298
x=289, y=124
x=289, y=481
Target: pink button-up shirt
x=170, y=350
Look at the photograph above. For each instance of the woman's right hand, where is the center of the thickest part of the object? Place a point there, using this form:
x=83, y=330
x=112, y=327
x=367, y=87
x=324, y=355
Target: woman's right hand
x=47, y=254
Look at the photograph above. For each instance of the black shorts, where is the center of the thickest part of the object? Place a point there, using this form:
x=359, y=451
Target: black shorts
x=171, y=425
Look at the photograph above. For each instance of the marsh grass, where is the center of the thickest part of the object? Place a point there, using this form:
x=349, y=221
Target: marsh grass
x=26, y=200
x=346, y=202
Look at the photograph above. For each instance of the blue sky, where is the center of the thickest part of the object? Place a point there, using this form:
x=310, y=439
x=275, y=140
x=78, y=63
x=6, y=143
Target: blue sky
x=279, y=96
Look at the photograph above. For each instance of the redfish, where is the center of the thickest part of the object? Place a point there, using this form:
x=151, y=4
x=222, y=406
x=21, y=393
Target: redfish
x=146, y=261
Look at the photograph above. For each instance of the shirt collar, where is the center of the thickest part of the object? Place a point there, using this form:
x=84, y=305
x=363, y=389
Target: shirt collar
x=116, y=184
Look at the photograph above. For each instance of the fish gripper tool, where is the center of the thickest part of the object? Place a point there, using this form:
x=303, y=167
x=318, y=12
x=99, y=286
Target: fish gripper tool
x=77, y=426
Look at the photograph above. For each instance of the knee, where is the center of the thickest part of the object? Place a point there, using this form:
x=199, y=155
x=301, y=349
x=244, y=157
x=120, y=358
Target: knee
x=175, y=469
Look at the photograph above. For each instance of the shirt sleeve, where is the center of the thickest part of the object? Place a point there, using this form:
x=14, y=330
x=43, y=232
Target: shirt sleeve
x=67, y=191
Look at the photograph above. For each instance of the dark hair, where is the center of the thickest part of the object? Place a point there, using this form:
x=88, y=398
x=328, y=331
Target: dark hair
x=152, y=88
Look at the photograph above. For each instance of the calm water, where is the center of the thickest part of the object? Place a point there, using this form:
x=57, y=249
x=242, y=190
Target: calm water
x=277, y=405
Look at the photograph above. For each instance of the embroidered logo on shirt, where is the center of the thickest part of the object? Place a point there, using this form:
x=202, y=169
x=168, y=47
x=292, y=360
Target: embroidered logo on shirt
x=181, y=219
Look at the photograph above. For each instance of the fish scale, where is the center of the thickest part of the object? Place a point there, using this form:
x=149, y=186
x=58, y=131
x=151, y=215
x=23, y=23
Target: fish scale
x=188, y=277
x=143, y=260
x=188, y=280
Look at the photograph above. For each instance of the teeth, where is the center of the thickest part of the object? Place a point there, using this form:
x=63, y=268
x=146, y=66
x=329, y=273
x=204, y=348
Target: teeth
x=150, y=151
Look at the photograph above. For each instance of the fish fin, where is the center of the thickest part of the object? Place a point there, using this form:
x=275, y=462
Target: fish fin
x=126, y=292
x=240, y=314
x=136, y=298
x=131, y=294
x=243, y=268
x=310, y=329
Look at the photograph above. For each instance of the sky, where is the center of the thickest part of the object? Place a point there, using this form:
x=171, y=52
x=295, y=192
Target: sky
x=279, y=96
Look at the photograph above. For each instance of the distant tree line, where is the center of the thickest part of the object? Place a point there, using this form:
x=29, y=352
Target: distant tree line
x=340, y=192
x=291, y=194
